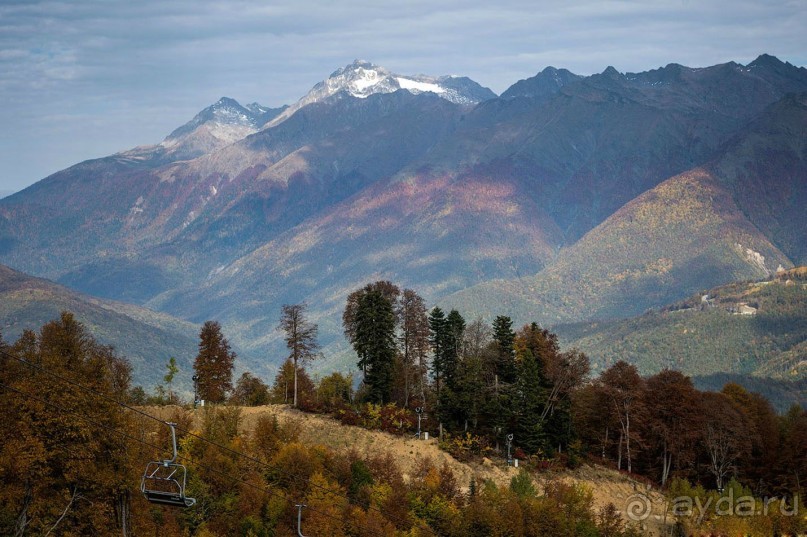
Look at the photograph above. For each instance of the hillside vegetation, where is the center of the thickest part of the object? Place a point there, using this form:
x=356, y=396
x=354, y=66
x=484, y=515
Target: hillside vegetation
x=707, y=333
x=146, y=338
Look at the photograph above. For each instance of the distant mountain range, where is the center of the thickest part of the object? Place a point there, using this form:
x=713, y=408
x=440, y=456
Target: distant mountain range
x=147, y=338
x=565, y=199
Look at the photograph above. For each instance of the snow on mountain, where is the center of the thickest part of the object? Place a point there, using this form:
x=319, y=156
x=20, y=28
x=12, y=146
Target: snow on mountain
x=361, y=79
x=225, y=112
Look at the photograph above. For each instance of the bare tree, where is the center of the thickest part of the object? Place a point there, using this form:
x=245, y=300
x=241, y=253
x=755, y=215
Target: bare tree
x=624, y=388
x=726, y=435
x=301, y=337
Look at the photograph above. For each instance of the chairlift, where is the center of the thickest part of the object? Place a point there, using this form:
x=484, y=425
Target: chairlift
x=164, y=481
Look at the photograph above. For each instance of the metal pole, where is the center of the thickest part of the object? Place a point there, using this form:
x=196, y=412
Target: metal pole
x=419, y=411
x=195, y=391
x=509, y=441
x=299, y=518
x=173, y=459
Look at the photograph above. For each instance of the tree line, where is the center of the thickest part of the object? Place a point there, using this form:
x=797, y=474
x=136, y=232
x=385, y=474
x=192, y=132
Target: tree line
x=69, y=472
x=71, y=458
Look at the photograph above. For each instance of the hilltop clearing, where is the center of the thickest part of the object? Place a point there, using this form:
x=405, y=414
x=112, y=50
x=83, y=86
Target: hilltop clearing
x=606, y=485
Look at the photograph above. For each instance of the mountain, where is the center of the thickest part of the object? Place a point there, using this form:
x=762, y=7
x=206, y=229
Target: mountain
x=224, y=122
x=543, y=85
x=568, y=198
x=361, y=79
x=717, y=223
x=147, y=338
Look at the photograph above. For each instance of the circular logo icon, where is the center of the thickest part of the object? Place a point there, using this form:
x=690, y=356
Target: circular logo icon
x=638, y=507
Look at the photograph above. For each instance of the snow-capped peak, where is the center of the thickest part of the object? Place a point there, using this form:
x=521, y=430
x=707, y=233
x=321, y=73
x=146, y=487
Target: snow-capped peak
x=361, y=79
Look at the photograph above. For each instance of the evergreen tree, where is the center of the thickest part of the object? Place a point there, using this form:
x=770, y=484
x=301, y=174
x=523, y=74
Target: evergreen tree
x=374, y=343
x=301, y=337
x=530, y=400
x=438, y=334
x=455, y=327
x=214, y=364
x=504, y=336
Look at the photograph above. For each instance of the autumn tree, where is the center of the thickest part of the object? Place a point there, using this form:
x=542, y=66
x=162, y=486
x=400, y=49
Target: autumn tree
x=62, y=470
x=214, y=363
x=624, y=389
x=726, y=436
x=250, y=391
x=763, y=435
x=301, y=338
x=414, y=344
x=675, y=420
x=282, y=391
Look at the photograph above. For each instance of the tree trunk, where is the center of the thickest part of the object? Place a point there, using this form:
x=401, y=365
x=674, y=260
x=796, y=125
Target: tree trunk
x=666, y=463
x=22, y=518
x=123, y=512
x=295, y=383
x=619, y=451
x=73, y=497
x=627, y=438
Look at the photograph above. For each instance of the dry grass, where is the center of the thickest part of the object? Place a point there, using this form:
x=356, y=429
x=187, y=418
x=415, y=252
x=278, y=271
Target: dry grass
x=606, y=485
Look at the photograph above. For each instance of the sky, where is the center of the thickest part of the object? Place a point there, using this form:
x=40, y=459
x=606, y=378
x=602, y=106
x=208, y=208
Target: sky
x=83, y=79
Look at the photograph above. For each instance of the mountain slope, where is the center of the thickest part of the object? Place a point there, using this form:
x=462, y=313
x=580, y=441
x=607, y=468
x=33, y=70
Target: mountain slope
x=434, y=234
x=587, y=197
x=708, y=334
x=600, y=141
x=147, y=338
x=686, y=234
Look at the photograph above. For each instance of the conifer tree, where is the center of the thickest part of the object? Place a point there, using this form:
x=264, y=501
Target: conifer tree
x=504, y=336
x=373, y=339
x=455, y=326
x=214, y=364
x=438, y=340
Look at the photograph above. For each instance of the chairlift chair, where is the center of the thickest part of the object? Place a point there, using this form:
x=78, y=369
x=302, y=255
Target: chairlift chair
x=164, y=481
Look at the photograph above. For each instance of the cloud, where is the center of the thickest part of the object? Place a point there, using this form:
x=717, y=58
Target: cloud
x=140, y=69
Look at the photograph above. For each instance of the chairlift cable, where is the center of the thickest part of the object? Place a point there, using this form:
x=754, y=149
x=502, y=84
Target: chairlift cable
x=90, y=420
x=299, y=480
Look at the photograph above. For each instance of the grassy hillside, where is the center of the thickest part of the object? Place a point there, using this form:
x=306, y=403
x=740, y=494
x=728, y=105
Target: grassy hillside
x=147, y=338
x=706, y=336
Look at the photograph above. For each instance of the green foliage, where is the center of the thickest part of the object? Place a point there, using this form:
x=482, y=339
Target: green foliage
x=521, y=484
x=375, y=344
x=699, y=338
x=334, y=390
x=504, y=337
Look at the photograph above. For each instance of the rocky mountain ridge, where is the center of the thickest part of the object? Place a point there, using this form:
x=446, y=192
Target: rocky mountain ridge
x=568, y=198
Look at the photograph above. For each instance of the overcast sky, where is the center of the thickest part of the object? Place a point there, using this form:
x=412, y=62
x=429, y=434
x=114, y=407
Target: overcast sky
x=82, y=79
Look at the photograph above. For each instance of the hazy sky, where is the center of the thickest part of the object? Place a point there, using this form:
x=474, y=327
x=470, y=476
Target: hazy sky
x=82, y=79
